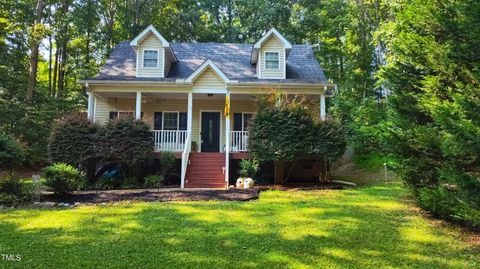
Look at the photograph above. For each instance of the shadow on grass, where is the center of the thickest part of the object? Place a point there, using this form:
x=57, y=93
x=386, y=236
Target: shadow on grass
x=362, y=228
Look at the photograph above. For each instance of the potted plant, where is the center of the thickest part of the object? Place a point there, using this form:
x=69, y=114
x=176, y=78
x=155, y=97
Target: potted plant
x=194, y=146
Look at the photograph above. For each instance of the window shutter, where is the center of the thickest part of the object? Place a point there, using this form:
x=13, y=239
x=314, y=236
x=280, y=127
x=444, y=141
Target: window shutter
x=113, y=115
x=157, y=122
x=182, y=125
x=237, y=121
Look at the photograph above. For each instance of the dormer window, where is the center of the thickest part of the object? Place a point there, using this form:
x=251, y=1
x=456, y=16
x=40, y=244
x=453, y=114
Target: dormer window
x=150, y=58
x=272, y=60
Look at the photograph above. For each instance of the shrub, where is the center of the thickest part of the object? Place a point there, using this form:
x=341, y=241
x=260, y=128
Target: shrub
x=249, y=168
x=167, y=165
x=446, y=204
x=13, y=200
x=11, y=153
x=154, y=181
x=63, y=178
x=13, y=192
x=11, y=185
x=130, y=183
x=73, y=141
x=284, y=130
x=125, y=142
x=105, y=183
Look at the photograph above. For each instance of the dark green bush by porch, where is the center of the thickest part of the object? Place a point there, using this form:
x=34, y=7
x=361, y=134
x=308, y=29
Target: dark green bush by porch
x=125, y=142
x=73, y=141
x=284, y=130
x=63, y=178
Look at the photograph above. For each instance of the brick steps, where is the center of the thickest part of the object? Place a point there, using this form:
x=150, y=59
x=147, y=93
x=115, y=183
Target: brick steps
x=205, y=170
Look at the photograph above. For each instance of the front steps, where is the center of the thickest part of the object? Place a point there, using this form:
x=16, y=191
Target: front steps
x=205, y=170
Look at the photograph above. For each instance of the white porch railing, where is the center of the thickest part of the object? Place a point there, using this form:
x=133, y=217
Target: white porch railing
x=170, y=140
x=239, y=141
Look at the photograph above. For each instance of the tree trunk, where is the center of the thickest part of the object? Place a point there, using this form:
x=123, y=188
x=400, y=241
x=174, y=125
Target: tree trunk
x=50, y=50
x=35, y=40
x=279, y=172
x=55, y=71
x=61, y=69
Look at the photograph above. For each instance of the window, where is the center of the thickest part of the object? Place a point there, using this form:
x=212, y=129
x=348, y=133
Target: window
x=122, y=115
x=170, y=121
x=272, y=60
x=150, y=58
x=247, y=120
x=242, y=121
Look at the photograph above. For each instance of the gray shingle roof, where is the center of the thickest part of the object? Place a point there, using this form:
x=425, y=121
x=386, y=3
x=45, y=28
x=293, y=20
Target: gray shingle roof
x=232, y=59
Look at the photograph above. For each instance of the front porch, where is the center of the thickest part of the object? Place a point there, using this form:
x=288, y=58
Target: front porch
x=185, y=122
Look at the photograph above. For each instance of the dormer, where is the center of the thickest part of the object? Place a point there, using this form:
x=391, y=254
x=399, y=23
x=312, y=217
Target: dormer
x=154, y=54
x=270, y=55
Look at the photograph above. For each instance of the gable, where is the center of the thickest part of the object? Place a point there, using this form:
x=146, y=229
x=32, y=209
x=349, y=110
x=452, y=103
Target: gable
x=272, y=43
x=151, y=41
x=209, y=80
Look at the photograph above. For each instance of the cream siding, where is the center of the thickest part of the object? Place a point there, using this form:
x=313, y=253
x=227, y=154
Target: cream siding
x=272, y=44
x=105, y=105
x=151, y=42
x=209, y=80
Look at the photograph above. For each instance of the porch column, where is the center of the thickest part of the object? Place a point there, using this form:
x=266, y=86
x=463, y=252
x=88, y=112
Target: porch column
x=227, y=138
x=323, y=113
x=90, y=106
x=138, y=106
x=190, y=112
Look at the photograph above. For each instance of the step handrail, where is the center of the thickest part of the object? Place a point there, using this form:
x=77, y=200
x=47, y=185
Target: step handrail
x=185, y=157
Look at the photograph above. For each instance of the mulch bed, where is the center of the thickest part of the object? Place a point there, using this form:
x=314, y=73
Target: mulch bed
x=161, y=196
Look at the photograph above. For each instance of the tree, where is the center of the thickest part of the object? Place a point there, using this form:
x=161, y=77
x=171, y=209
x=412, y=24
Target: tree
x=284, y=130
x=432, y=69
x=36, y=36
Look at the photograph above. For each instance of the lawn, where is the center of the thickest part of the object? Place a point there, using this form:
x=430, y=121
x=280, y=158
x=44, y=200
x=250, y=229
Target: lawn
x=368, y=227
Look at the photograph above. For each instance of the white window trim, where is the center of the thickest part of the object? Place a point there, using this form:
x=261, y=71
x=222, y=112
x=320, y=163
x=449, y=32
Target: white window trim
x=143, y=58
x=265, y=57
x=178, y=120
x=243, y=119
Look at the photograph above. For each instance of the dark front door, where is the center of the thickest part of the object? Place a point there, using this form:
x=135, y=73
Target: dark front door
x=210, y=133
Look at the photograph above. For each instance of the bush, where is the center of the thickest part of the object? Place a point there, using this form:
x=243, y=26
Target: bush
x=130, y=183
x=73, y=141
x=11, y=153
x=249, y=168
x=154, y=181
x=446, y=204
x=63, y=178
x=126, y=142
x=13, y=191
x=13, y=200
x=284, y=130
x=106, y=183
x=167, y=165
x=11, y=185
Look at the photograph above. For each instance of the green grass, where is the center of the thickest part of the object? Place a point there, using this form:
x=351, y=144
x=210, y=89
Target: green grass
x=369, y=227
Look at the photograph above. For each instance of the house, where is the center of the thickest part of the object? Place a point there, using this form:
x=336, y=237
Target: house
x=181, y=90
